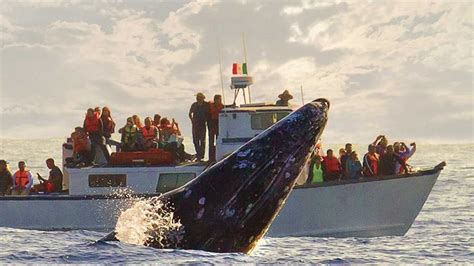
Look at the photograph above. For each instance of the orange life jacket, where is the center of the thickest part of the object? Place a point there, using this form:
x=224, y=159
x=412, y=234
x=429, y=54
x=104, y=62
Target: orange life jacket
x=148, y=134
x=80, y=143
x=21, y=178
x=214, y=110
x=92, y=123
x=332, y=165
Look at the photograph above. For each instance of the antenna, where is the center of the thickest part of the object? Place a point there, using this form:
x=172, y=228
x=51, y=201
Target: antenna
x=302, y=95
x=220, y=69
x=245, y=60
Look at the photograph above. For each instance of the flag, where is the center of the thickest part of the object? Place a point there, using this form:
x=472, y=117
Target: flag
x=239, y=69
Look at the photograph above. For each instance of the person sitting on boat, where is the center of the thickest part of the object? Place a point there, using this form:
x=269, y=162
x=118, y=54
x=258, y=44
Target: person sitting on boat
x=344, y=158
x=380, y=144
x=6, y=181
x=285, y=97
x=353, y=166
x=404, y=152
x=213, y=125
x=137, y=121
x=171, y=140
x=316, y=170
x=94, y=129
x=54, y=183
x=81, y=147
x=388, y=161
x=331, y=167
x=371, y=162
x=129, y=136
x=22, y=180
x=149, y=135
x=157, y=121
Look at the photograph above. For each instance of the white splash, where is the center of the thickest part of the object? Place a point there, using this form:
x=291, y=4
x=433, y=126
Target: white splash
x=149, y=222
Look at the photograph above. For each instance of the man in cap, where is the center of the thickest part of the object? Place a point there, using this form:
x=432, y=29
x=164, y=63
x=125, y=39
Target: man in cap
x=199, y=114
x=284, y=98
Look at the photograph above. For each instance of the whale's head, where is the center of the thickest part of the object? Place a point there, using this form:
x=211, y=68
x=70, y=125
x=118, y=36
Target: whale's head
x=230, y=206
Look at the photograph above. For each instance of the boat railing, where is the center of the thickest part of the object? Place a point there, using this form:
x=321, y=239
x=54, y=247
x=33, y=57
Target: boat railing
x=430, y=171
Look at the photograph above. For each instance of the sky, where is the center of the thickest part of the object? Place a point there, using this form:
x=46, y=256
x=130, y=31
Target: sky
x=399, y=68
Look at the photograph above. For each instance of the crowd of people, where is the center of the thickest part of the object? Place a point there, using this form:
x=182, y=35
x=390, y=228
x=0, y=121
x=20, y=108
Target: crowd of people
x=20, y=183
x=381, y=159
x=157, y=132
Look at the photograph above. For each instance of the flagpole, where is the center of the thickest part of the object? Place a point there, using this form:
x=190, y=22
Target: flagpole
x=245, y=60
x=220, y=69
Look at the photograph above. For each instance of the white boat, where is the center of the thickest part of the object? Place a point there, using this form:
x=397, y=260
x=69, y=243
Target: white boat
x=97, y=195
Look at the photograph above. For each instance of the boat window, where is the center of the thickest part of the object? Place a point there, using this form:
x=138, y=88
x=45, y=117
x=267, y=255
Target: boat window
x=116, y=180
x=169, y=181
x=261, y=121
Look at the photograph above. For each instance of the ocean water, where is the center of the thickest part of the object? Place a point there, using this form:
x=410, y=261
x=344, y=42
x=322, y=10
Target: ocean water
x=442, y=233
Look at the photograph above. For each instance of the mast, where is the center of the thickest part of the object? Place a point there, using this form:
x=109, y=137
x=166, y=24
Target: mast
x=245, y=61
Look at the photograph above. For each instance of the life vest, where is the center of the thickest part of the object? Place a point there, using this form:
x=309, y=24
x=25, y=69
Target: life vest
x=332, y=165
x=371, y=164
x=92, y=124
x=21, y=178
x=148, y=134
x=214, y=110
x=129, y=134
x=167, y=131
x=317, y=174
x=80, y=143
x=108, y=124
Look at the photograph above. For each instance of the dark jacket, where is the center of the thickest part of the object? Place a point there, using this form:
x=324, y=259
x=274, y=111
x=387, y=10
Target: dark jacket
x=5, y=181
x=388, y=162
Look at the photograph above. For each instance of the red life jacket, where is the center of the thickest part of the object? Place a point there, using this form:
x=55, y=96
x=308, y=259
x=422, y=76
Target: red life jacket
x=148, y=134
x=80, y=143
x=371, y=161
x=92, y=124
x=214, y=110
x=332, y=165
x=21, y=178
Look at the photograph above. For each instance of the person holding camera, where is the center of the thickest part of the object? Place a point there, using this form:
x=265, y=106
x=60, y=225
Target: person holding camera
x=404, y=152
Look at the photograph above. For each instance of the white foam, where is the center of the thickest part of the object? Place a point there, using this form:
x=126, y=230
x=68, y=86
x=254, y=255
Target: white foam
x=149, y=220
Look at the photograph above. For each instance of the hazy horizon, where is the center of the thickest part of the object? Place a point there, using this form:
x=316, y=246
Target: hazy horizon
x=404, y=69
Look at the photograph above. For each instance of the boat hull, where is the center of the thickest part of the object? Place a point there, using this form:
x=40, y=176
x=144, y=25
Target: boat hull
x=365, y=208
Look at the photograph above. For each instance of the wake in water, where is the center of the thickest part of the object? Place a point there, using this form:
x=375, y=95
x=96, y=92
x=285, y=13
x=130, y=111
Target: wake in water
x=149, y=222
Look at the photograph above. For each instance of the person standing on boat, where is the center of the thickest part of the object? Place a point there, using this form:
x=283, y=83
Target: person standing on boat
x=344, y=158
x=371, y=162
x=316, y=170
x=109, y=127
x=199, y=115
x=54, y=183
x=331, y=167
x=388, y=162
x=404, y=152
x=81, y=147
x=94, y=128
x=353, y=166
x=22, y=180
x=285, y=97
x=6, y=181
x=380, y=144
x=213, y=125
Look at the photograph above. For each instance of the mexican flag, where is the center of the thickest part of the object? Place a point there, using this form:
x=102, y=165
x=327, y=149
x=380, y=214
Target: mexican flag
x=239, y=69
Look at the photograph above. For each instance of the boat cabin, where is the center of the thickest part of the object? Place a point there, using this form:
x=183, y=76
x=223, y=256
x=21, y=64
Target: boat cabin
x=237, y=125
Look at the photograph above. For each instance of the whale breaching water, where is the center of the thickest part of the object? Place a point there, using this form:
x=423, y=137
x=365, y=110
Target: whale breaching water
x=231, y=205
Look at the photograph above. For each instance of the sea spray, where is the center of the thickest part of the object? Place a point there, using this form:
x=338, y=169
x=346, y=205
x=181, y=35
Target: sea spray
x=149, y=221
